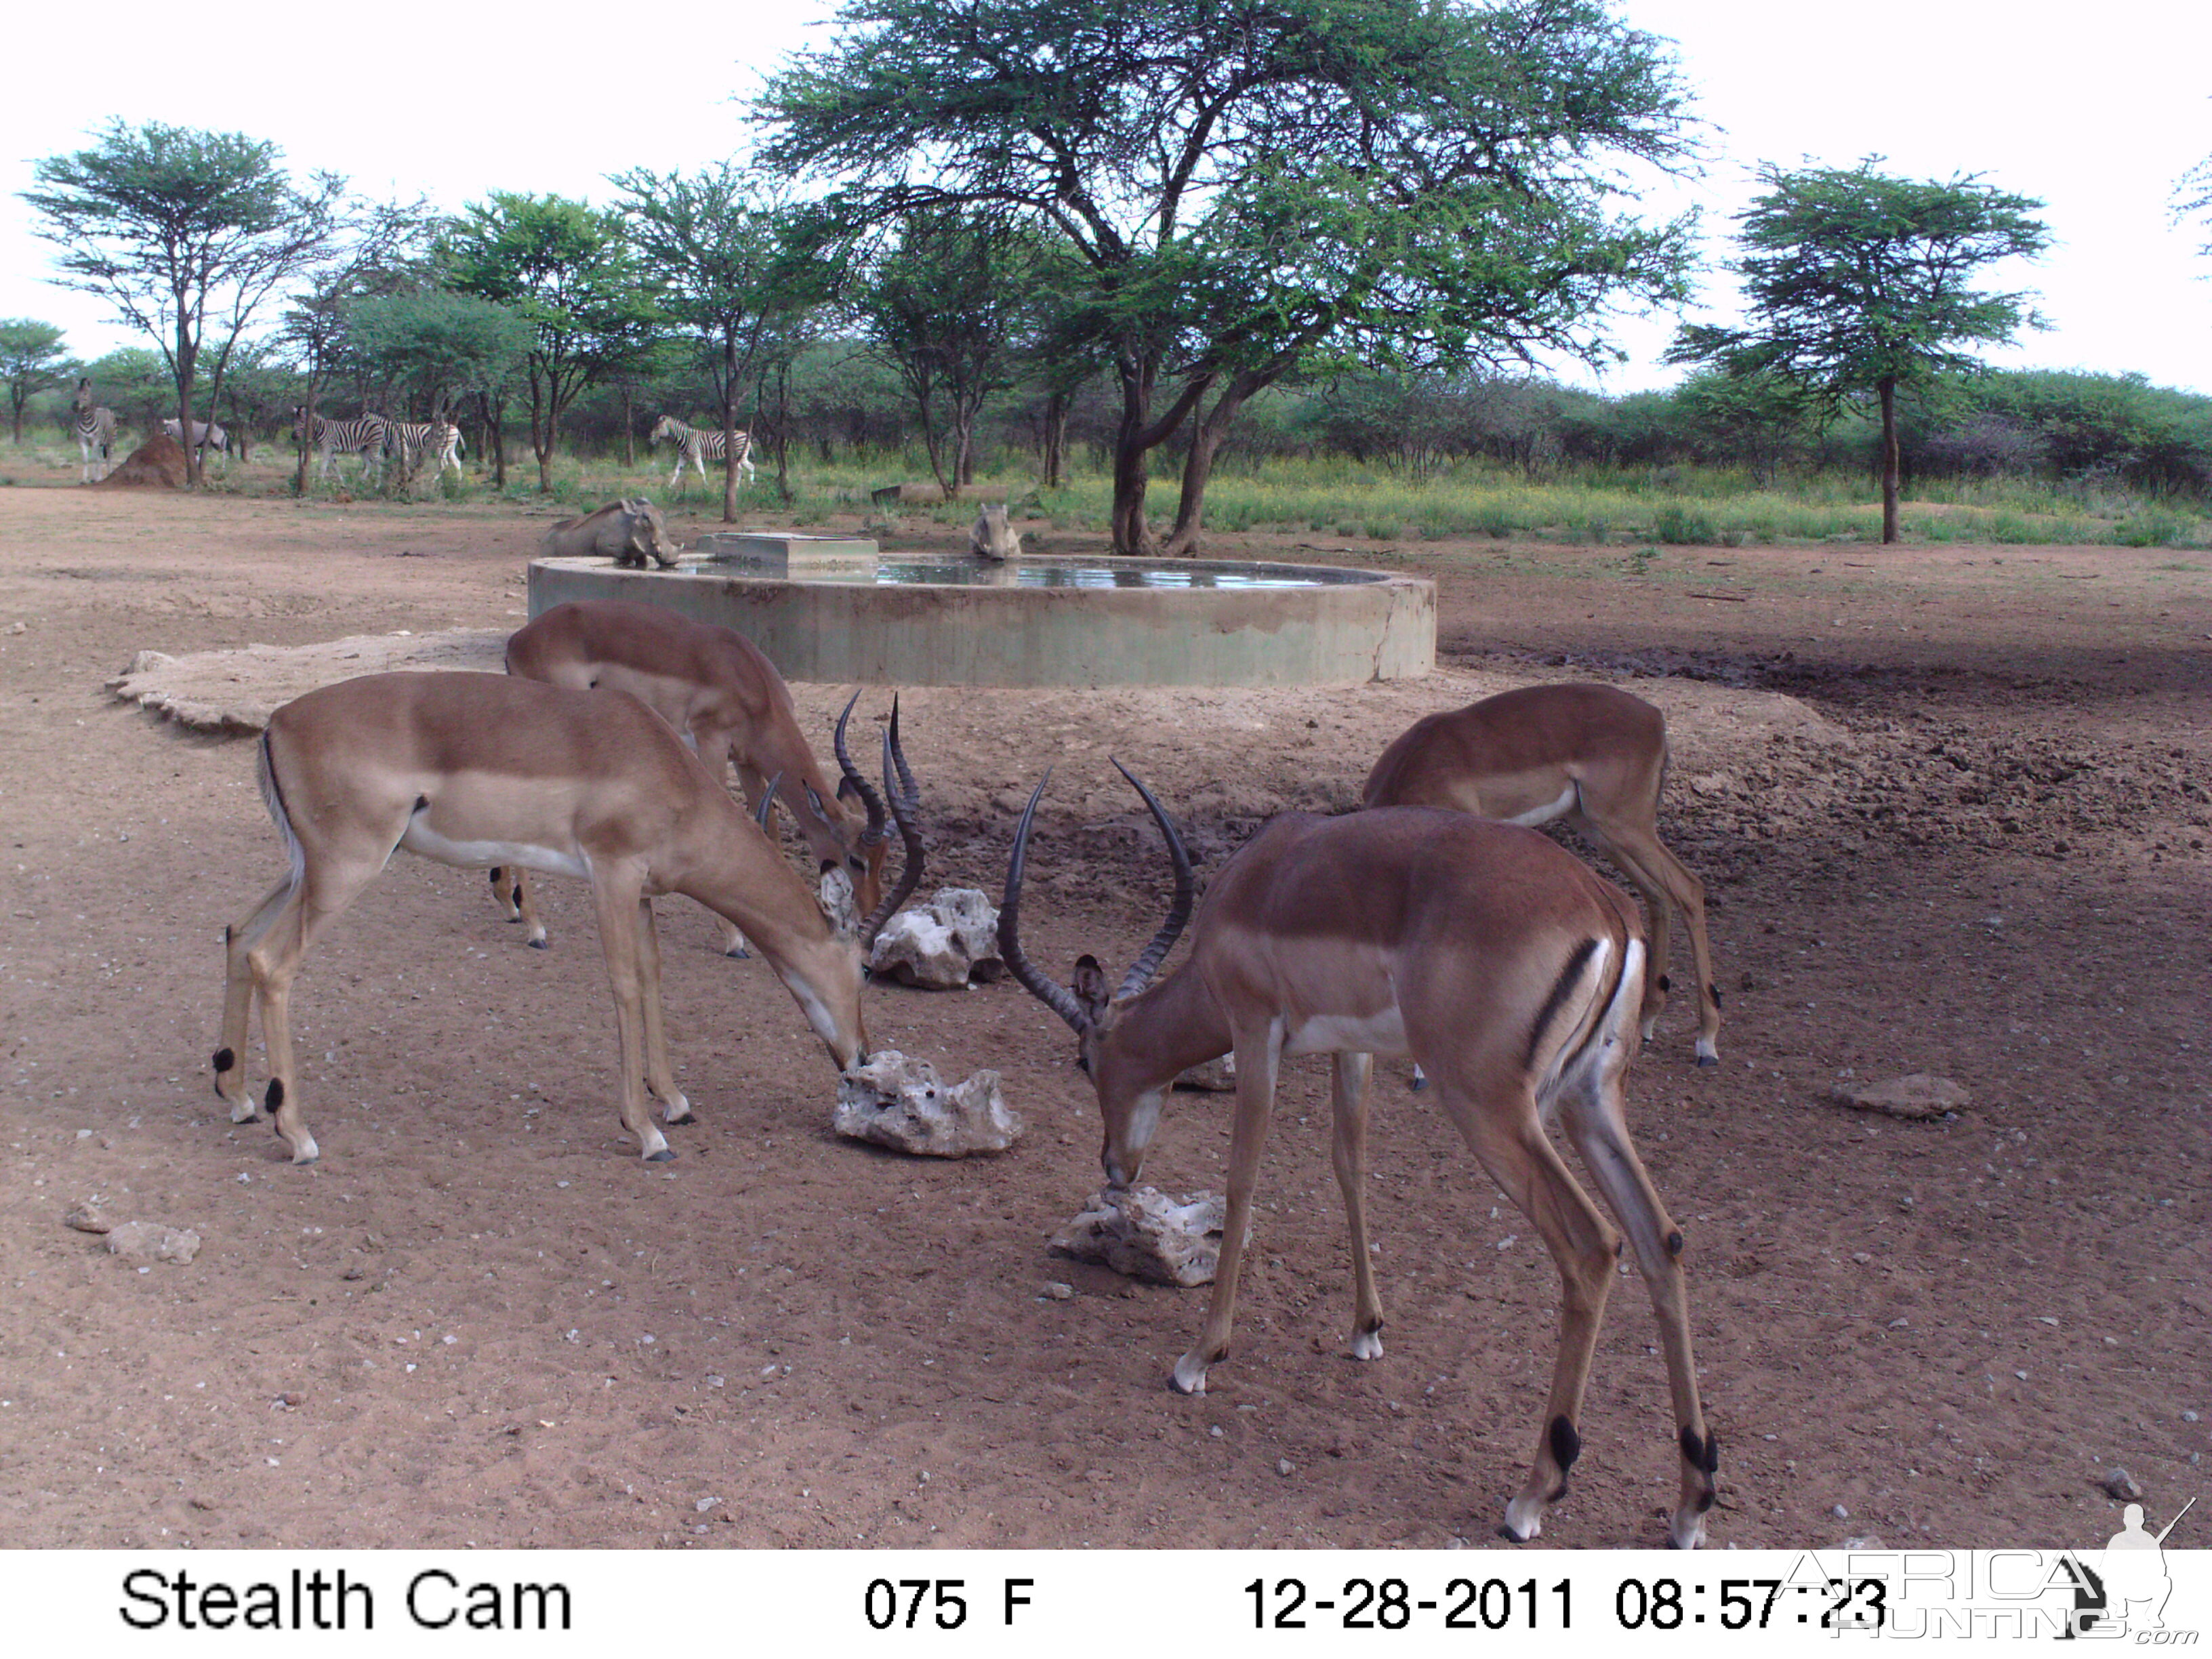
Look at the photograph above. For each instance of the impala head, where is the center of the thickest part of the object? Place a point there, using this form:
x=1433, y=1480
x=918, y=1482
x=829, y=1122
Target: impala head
x=1128, y=1094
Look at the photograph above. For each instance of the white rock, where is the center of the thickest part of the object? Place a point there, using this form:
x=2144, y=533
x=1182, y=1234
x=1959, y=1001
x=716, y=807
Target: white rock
x=1214, y=1076
x=149, y=1241
x=900, y=1102
x=1916, y=1095
x=948, y=944
x=1145, y=1234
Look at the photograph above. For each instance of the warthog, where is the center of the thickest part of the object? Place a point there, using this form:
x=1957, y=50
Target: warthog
x=627, y=532
x=992, y=537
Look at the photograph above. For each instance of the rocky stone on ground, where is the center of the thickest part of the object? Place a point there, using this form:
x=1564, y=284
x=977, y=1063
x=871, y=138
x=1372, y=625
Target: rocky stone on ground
x=946, y=945
x=896, y=1102
x=1212, y=1077
x=1918, y=1095
x=86, y=1218
x=1145, y=1234
x=149, y=1241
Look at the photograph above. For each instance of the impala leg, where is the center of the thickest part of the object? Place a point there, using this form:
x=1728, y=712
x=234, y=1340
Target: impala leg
x=619, y=938
x=1665, y=881
x=1504, y=1133
x=273, y=960
x=660, y=1076
x=512, y=895
x=1348, y=1152
x=1257, y=1053
x=238, y=1001
x=1599, y=1128
x=755, y=787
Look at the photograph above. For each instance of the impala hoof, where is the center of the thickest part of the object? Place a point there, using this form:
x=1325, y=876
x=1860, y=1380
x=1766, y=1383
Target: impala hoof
x=244, y=1111
x=679, y=1110
x=1188, y=1376
x=1367, y=1345
x=307, y=1152
x=738, y=953
x=1524, y=1520
x=539, y=945
x=1708, y=1059
x=666, y=1155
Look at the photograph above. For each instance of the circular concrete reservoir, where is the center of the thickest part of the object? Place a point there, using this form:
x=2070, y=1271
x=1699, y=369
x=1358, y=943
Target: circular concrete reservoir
x=834, y=611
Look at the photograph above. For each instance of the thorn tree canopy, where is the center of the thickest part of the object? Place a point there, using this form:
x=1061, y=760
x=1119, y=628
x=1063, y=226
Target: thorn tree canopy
x=724, y=250
x=1858, y=282
x=567, y=270
x=31, y=360
x=1257, y=186
x=182, y=231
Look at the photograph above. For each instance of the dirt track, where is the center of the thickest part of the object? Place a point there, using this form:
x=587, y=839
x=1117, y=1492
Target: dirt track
x=1952, y=806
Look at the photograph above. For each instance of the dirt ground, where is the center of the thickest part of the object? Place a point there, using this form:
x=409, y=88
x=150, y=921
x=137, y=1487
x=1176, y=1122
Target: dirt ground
x=1952, y=809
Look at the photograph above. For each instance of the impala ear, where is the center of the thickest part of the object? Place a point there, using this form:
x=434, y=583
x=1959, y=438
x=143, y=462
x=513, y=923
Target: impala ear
x=1090, y=986
x=836, y=898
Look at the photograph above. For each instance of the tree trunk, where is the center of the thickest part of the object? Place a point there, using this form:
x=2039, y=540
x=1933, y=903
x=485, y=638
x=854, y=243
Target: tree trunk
x=495, y=416
x=307, y=435
x=729, y=425
x=187, y=361
x=630, y=433
x=1055, y=439
x=1887, y=388
x=17, y=397
x=1130, y=472
x=783, y=432
x=1207, y=436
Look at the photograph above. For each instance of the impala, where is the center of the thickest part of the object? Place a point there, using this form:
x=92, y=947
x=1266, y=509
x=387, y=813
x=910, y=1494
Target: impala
x=1509, y=970
x=1591, y=754
x=723, y=695
x=470, y=769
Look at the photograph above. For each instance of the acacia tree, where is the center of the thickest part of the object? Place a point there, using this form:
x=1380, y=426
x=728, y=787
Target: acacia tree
x=31, y=360
x=186, y=233
x=1856, y=283
x=724, y=250
x=381, y=249
x=948, y=307
x=1252, y=185
x=567, y=270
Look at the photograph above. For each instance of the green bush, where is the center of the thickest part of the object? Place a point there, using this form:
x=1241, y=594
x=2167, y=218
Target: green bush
x=1678, y=524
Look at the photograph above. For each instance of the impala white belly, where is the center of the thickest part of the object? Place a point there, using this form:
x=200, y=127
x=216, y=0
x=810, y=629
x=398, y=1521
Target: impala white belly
x=1383, y=1032
x=478, y=854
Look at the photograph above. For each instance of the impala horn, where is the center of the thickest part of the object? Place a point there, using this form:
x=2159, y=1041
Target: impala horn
x=906, y=813
x=1053, y=995
x=768, y=803
x=1186, y=892
x=876, y=832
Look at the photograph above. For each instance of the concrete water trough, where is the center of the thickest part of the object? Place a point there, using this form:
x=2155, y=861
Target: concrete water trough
x=832, y=610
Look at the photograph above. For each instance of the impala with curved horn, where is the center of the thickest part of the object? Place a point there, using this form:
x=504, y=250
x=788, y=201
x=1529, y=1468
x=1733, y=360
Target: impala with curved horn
x=725, y=699
x=1496, y=959
x=474, y=769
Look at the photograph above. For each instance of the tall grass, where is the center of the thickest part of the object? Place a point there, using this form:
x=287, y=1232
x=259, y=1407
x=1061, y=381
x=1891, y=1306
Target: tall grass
x=1330, y=496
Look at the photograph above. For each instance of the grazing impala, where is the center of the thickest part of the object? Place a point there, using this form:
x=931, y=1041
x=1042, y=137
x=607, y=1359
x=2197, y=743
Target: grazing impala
x=725, y=699
x=1591, y=754
x=467, y=768
x=1500, y=962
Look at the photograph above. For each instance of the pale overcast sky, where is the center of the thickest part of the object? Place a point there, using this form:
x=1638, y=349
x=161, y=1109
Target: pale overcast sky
x=2095, y=110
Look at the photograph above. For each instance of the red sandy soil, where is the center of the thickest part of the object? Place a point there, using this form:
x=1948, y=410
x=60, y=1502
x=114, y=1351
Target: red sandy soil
x=1952, y=808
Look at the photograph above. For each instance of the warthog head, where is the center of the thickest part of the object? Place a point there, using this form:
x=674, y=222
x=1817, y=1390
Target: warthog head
x=644, y=534
x=992, y=537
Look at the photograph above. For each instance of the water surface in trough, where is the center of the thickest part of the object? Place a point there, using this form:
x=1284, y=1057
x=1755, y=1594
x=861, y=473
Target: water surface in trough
x=1161, y=575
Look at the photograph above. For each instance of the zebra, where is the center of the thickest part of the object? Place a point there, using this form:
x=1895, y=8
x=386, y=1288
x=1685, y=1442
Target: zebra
x=411, y=443
x=95, y=431
x=698, y=447
x=206, y=434
x=363, y=437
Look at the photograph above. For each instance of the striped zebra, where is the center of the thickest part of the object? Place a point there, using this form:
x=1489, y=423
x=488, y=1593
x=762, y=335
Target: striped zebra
x=698, y=447
x=363, y=437
x=95, y=432
x=207, y=434
x=411, y=442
